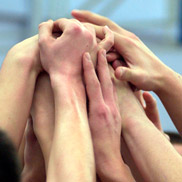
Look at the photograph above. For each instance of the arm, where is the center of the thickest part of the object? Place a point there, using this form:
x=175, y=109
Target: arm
x=145, y=141
x=43, y=112
x=105, y=121
x=34, y=168
x=17, y=80
x=144, y=70
x=72, y=151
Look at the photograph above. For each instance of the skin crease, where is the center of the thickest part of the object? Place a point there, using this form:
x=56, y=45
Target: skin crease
x=137, y=129
x=70, y=96
x=144, y=70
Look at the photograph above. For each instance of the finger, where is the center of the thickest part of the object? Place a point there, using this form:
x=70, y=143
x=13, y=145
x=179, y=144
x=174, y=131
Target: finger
x=118, y=63
x=112, y=56
x=60, y=25
x=104, y=77
x=139, y=96
x=90, y=17
x=121, y=43
x=45, y=32
x=108, y=41
x=87, y=16
x=129, y=75
x=151, y=110
x=93, y=87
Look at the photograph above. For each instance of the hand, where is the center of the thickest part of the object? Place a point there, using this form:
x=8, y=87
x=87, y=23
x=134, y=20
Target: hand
x=145, y=70
x=104, y=119
x=64, y=54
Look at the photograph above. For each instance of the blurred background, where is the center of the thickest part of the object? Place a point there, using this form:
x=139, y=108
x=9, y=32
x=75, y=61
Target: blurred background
x=158, y=23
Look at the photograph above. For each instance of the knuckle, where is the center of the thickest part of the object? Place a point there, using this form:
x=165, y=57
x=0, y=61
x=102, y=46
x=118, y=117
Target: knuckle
x=76, y=29
x=102, y=111
x=110, y=42
x=43, y=41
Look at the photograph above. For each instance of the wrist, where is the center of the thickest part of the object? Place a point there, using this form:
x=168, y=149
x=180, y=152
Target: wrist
x=113, y=170
x=61, y=81
x=68, y=90
x=168, y=81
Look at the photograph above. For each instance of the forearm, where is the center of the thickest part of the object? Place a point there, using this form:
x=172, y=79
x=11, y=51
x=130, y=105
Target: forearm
x=169, y=93
x=17, y=80
x=148, y=147
x=72, y=151
x=146, y=144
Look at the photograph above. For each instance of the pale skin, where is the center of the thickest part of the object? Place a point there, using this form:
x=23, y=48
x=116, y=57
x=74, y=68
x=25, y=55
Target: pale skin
x=17, y=81
x=139, y=133
x=104, y=120
x=144, y=70
x=34, y=168
x=145, y=142
x=71, y=122
x=43, y=114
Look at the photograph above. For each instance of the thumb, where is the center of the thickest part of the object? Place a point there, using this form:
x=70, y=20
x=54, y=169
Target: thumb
x=126, y=74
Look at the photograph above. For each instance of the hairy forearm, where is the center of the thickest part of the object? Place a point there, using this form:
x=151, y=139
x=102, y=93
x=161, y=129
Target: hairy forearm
x=17, y=80
x=170, y=94
x=72, y=151
x=148, y=147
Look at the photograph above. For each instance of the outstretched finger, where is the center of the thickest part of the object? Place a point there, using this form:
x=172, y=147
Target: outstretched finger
x=151, y=110
x=93, y=87
x=90, y=17
x=105, y=77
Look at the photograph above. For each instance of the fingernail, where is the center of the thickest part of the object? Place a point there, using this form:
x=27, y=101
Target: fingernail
x=87, y=56
x=104, y=53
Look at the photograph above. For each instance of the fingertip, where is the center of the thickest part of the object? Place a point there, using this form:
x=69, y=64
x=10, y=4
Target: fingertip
x=119, y=72
x=76, y=13
x=147, y=96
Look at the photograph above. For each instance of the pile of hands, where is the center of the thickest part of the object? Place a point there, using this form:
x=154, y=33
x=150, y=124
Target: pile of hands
x=86, y=116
